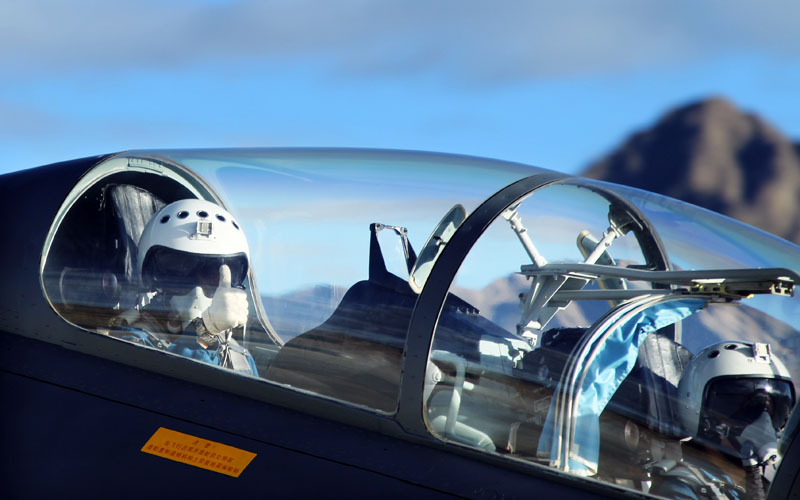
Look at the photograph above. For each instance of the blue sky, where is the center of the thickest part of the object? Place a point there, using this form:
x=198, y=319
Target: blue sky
x=554, y=84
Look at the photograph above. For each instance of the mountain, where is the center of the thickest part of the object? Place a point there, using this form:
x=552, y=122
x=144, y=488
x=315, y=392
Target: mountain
x=294, y=313
x=499, y=301
x=712, y=154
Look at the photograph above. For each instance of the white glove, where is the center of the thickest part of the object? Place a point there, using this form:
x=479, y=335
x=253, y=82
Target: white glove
x=228, y=307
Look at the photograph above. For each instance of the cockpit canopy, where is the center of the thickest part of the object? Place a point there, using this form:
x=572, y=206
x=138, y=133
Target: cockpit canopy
x=527, y=313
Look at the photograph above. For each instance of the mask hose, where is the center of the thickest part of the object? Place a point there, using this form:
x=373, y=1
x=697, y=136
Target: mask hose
x=754, y=486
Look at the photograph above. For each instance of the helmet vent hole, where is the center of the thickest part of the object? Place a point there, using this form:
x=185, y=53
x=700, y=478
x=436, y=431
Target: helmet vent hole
x=713, y=354
x=730, y=347
x=164, y=219
x=202, y=214
x=220, y=218
x=235, y=224
x=183, y=214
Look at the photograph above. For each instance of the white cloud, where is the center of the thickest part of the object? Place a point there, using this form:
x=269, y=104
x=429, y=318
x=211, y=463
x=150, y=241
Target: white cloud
x=468, y=39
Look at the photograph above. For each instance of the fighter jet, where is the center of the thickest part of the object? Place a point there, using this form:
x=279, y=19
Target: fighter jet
x=342, y=323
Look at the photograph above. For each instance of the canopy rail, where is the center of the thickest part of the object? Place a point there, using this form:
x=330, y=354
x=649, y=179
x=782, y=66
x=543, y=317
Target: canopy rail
x=724, y=283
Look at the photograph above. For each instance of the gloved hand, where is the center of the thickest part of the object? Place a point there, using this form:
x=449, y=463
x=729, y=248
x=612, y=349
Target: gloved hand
x=228, y=307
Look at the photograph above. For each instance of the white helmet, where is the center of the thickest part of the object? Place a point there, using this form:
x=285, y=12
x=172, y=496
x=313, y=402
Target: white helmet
x=186, y=242
x=729, y=385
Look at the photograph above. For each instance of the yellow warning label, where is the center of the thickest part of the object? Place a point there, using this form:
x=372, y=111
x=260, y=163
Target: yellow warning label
x=199, y=452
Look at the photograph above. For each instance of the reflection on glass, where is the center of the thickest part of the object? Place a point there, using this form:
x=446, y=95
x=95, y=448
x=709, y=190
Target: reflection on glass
x=576, y=346
x=331, y=237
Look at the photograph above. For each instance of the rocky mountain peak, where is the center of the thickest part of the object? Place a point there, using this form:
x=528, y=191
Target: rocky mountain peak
x=713, y=154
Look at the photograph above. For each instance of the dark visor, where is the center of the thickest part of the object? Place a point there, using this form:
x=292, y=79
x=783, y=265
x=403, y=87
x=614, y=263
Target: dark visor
x=740, y=401
x=182, y=271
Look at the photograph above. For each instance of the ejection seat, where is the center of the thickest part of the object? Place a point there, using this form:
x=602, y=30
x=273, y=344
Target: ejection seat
x=356, y=354
x=131, y=208
x=640, y=423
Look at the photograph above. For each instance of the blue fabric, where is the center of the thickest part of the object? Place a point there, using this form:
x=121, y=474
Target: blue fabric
x=682, y=483
x=187, y=346
x=604, y=374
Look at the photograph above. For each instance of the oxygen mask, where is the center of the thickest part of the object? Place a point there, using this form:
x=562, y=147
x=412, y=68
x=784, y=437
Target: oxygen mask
x=190, y=305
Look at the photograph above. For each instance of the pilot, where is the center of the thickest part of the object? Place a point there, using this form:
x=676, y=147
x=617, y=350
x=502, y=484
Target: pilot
x=735, y=399
x=192, y=260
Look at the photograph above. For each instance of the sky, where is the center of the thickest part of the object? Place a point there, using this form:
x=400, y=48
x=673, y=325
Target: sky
x=555, y=84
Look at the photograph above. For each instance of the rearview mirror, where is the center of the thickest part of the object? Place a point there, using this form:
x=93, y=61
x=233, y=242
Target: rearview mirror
x=433, y=247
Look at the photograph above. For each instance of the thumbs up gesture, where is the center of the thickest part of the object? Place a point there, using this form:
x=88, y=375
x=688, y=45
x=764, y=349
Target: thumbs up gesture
x=228, y=307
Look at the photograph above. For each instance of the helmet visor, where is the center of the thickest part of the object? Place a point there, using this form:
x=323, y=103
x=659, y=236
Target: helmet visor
x=740, y=401
x=180, y=272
